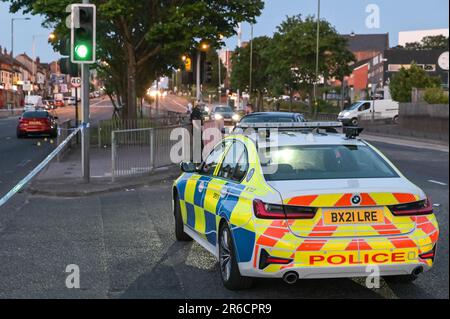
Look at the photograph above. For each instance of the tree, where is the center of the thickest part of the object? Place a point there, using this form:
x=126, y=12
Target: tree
x=240, y=76
x=437, y=42
x=295, y=52
x=406, y=79
x=135, y=36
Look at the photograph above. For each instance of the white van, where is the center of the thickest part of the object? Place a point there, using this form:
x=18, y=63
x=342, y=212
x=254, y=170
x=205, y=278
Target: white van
x=33, y=102
x=362, y=111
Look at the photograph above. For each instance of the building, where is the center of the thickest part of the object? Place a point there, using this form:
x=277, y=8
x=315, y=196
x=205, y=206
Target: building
x=366, y=46
x=405, y=37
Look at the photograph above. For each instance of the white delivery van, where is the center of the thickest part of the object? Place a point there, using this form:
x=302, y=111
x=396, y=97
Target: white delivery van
x=363, y=110
x=34, y=101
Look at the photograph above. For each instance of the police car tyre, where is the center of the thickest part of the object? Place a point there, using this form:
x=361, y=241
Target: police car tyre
x=228, y=266
x=355, y=122
x=179, y=228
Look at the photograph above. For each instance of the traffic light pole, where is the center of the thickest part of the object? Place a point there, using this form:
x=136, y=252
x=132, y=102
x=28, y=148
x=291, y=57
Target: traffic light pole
x=199, y=81
x=85, y=136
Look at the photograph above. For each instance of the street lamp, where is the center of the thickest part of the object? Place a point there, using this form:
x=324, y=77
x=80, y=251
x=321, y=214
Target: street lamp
x=317, y=52
x=12, y=32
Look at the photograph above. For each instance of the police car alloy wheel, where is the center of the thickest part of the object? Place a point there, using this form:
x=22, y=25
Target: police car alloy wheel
x=229, y=269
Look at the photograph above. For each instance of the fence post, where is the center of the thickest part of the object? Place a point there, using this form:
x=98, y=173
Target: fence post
x=152, y=149
x=113, y=156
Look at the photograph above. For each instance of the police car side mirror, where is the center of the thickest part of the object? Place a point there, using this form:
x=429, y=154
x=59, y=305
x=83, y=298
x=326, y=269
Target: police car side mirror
x=188, y=167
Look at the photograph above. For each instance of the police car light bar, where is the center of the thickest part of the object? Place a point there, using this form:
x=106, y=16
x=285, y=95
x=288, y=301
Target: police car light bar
x=300, y=125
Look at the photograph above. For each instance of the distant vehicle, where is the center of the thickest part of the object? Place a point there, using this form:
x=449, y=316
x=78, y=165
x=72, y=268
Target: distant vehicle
x=273, y=117
x=59, y=103
x=225, y=113
x=49, y=104
x=37, y=123
x=34, y=100
x=70, y=100
x=384, y=109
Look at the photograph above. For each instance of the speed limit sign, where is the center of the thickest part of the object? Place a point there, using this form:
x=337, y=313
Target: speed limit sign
x=75, y=82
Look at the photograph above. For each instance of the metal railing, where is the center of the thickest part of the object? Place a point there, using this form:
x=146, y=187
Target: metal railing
x=105, y=128
x=140, y=151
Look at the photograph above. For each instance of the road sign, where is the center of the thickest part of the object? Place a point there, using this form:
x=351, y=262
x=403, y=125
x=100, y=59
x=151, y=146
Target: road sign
x=443, y=61
x=75, y=82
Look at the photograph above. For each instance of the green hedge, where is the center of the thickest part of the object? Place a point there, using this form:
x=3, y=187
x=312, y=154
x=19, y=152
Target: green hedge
x=435, y=96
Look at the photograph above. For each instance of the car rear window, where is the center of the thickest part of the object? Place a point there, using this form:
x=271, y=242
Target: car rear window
x=324, y=162
x=35, y=115
x=267, y=119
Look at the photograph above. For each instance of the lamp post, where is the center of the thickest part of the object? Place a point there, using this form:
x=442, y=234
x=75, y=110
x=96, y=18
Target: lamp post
x=12, y=32
x=251, y=62
x=317, y=52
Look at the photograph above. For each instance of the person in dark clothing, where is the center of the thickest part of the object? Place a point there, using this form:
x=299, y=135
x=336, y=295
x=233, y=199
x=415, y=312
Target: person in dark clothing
x=196, y=114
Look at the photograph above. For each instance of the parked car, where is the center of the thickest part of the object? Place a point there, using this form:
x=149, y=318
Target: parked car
x=384, y=110
x=37, y=123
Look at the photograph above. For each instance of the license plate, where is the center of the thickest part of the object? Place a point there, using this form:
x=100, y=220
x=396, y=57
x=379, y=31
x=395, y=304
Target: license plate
x=354, y=216
x=35, y=123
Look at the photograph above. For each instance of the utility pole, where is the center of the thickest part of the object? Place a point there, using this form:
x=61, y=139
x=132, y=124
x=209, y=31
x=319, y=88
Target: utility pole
x=251, y=63
x=85, y=133
x=199, y=81
x=317, y=54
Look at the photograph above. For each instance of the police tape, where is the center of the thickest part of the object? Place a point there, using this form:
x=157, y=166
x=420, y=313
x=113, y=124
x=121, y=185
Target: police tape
x=38, y=168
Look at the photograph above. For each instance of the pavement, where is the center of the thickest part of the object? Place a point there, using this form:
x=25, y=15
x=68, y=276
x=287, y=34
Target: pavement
x=124, y=245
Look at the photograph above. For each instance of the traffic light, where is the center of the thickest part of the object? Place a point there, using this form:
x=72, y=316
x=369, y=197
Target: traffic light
x=208, y=72
x=83, y=35
x=67, y=67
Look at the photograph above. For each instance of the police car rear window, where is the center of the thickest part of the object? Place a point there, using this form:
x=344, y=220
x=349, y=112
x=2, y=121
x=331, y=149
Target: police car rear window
x=324, y=162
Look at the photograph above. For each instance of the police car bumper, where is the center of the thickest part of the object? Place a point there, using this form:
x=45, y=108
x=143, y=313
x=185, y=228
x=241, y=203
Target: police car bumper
x=338, y=272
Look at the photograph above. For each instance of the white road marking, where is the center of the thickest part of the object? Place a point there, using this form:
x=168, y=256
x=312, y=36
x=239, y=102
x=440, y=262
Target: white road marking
x=437, y=182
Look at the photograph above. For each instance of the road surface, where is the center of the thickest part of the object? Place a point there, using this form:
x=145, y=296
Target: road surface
x=19, y=156
x=125, y=247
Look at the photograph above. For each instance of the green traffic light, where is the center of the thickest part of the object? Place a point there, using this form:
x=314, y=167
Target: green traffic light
x=82, y=51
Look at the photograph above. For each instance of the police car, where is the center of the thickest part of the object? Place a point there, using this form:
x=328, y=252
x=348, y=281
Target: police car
x=303, y=201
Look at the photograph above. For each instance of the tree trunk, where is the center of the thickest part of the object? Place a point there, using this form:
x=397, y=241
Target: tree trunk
x=291, y=100
x=131, y=112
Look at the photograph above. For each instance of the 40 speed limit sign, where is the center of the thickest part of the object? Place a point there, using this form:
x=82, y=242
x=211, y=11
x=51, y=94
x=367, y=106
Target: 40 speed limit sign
x=75, y=82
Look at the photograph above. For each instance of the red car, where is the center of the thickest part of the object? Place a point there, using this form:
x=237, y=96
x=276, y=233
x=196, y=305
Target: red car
x=37, y=123
x=59, y=103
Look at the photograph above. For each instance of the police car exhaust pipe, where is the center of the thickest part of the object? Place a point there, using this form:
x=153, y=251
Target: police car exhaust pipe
x=290, y=277
x=417, y=271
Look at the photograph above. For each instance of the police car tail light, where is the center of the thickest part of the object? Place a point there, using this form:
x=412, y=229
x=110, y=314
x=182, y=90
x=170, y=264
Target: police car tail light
x=423, y=207
x=268, y=211
x=271, y=211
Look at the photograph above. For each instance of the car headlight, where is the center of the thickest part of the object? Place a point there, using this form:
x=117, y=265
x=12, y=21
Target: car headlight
x=218, y=116
x=236, y=117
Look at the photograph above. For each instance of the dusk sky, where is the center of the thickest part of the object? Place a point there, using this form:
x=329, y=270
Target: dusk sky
x=345, y=15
